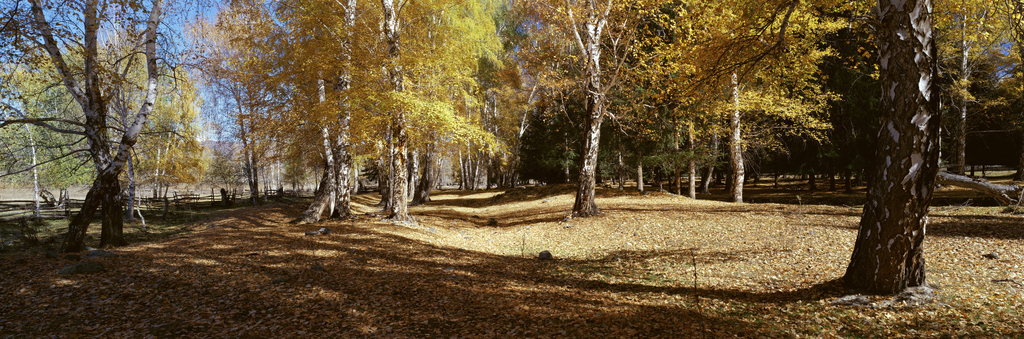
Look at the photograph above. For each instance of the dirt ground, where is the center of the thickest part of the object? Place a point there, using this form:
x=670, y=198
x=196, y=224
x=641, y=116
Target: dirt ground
x=652, y=266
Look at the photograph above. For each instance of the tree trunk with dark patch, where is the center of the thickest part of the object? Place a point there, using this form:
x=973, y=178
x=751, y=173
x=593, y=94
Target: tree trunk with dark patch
x=426, y=180
x=1019, y=176
x=383, y=182
x=112, y=229
x=585, y=204
x=320, y=199
x=888, y=256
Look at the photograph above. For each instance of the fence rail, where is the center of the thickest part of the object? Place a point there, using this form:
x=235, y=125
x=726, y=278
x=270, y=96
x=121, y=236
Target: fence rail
x=179, y=200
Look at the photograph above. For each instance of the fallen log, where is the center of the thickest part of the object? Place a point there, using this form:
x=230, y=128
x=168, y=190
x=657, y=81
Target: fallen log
x=1005, y=194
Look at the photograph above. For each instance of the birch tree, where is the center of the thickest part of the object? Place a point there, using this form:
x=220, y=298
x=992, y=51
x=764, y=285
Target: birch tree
x=889, y=254
x=87, y=83
x=967, y=32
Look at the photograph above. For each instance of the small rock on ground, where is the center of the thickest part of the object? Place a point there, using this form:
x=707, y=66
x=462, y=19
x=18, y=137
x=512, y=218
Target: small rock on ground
x=992, y=255
x=545, y=255
x=99, y=254
x=85, y=267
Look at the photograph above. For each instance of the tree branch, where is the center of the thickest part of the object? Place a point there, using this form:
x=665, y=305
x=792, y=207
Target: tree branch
x=1005, y=194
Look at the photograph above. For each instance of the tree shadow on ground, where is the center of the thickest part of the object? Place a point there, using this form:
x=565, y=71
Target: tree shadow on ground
x=254, y=275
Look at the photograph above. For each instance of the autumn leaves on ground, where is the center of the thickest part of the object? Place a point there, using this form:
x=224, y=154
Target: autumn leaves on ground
x=653, y=265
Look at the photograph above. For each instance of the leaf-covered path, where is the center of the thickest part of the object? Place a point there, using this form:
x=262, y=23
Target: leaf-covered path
x=761, y=270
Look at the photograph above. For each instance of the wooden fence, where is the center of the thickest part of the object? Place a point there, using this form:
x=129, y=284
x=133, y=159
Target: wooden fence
x=179, y=200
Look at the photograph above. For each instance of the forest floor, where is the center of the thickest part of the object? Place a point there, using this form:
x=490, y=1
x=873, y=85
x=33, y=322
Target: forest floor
x=653, y=265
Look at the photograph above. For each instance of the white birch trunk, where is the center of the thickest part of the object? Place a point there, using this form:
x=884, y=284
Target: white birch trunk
x=390, y=25
x=692, y=163
x=736, y=144
x=35, y=174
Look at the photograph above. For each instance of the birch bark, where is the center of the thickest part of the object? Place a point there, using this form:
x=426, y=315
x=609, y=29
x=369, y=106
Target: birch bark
x=400, y=206
x=588, y=36
x=889, y=254
x=736, y=144
x=88, y=94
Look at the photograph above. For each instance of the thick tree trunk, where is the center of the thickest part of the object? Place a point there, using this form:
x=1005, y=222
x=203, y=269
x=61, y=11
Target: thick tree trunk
x=888, y=255
x=426, y=180
x=343, y=178
x=736, y=145
x=112, y=232
x=320, y=199
x=399, y=186
x=74, y=241
x=327, y=191
x=90, y=97
x=589, y=36
x=585, y=205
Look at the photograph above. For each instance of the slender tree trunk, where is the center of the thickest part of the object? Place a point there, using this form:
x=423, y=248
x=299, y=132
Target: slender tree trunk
x=35, y=174
x=252, y=175
x=1017, y=32
x=888, y=255
x=414, y=171
x=709, y=172
x=462, y=172
x=384, y=181
x=131, y=188
x=677, y=169
x=639, y=174
x=736, y=145
x=959, y=149
x=621, y=171
x=692, y=163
